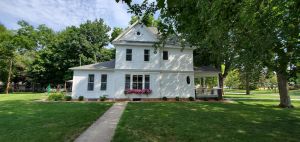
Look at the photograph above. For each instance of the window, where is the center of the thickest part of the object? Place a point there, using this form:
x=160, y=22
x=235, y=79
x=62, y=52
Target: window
x=147, y=81
x=137, y=82
x=165, y=55
x=127, y=81
x=138, y=33
x=146, y=55
x=188, y=80
x=91, y=82
x=103, y=82
x=128, y=54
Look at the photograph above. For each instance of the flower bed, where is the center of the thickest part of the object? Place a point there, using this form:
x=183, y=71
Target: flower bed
x=138, y=91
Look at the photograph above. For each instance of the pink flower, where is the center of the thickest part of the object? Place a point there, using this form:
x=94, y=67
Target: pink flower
x=138, y=91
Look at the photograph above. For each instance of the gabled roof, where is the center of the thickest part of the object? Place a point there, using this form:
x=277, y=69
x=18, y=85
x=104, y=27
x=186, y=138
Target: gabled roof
x=108, y=65
x=148, y=34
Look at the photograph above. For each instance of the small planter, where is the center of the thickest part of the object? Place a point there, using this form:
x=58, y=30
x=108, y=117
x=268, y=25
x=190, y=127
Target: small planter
x=138, y=91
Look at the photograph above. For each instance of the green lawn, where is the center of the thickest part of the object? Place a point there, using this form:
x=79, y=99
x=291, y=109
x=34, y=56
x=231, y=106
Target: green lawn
x=261, y=94
x=247, y=120
x=23, y=119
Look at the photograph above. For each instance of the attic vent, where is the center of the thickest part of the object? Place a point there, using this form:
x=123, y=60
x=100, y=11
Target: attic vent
x=138, y=33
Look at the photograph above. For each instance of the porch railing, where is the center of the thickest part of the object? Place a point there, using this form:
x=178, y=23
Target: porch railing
x=207, y=92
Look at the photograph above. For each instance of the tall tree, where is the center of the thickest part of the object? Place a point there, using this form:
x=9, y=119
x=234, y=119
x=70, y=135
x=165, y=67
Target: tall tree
x=70, y=47
x=275, y=26
x=16, y=46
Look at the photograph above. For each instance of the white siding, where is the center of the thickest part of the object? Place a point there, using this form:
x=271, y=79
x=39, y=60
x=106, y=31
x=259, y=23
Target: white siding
x=80, y=84
x=175, y=85
x=178, y=60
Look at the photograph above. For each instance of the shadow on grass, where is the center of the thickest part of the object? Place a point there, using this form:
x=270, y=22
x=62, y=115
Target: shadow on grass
x=208, y=122
x=37, y=121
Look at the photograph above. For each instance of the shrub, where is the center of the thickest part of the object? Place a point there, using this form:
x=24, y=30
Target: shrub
x=68, y=98
x=80, y=98
x=102, y=98
x=177, y=98
x=56, y=97
x=191, y=99
x=165, y=98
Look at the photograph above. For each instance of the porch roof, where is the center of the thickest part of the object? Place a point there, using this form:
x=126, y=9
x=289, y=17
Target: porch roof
x=98, y=66
x=205, y=71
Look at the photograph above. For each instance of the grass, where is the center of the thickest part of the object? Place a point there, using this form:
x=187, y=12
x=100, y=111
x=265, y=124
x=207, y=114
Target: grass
x=207, y=121
x=23, y=119
x=261, y=94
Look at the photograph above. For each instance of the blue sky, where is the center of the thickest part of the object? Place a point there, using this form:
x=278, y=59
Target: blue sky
x=57, y=14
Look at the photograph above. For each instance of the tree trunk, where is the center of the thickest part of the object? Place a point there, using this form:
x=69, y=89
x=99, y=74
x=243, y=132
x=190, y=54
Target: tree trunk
x=285, y=100
x=221, y=85
x=247, y=84
x=9, y=77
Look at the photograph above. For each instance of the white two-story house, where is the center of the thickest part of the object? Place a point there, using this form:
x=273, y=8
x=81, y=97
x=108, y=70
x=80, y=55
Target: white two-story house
x=140, y=71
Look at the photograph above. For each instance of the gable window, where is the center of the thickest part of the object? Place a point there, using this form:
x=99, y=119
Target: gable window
x=103, y=82
x=147, y=82
x=128, y=54
x=137, y=82
x=127, y=81
x=146, y=55
x=165, y=55
x=91, y=82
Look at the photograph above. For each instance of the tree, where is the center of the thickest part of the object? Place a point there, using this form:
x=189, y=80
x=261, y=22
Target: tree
x=148, y=20
x=16, y=46
x=70, y=47
x=232, y=80
x=115, y=33
x=276, y=31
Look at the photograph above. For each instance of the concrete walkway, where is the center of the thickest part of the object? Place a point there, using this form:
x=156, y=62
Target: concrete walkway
x=104, y=128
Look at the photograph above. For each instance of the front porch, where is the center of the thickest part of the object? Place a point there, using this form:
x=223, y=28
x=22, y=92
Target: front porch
x=207, y=84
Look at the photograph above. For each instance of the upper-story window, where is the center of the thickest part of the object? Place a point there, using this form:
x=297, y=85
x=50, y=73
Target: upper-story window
x=128, y=54
x=146, y=55
x=91, y=82
x=165, y=55
x=103, y=82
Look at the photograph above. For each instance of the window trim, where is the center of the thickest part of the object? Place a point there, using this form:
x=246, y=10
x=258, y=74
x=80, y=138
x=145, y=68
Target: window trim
x=91, y=82
x=165, y=55
x=128, y=54
x=129, y=82
x=146, y=55
x=102, y=82
x=147, y=82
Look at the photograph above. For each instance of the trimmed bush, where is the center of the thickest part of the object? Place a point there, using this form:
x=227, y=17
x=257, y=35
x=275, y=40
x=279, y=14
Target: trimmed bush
x=165, y=98
x=80, y=98
x=177, y=98
x=68, y=98
x=56, y=97
x=191, y=98
x=102, y=98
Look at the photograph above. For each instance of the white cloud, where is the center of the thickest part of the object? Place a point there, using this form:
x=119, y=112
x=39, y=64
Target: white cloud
x=58, y=14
